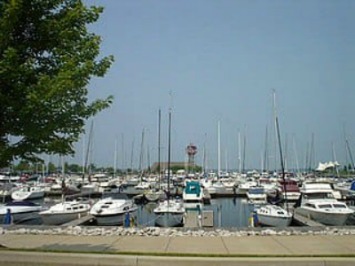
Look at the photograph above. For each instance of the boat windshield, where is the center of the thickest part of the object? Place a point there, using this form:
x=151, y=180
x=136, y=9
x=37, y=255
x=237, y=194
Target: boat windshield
x=325, y=206
x=320, y=195
x=256, y=191
x=340, y=206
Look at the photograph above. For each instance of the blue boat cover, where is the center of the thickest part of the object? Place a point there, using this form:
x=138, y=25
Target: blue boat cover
x=352, y=187
x=193, y=187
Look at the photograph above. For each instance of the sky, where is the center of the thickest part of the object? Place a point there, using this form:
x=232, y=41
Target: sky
x=218, y=62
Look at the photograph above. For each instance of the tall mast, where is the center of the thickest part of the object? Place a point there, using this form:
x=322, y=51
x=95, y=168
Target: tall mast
x=350, y=154
x=218, y=149
x=159, y=128
x=89, y=146
x=280, y=150
x=296, y=155
x=132, y=150
x=239, y=153
x=141, y=156
x=169, y=147
x=265, y=162
x=115, y=160
x=335, y=160
x=244, y=148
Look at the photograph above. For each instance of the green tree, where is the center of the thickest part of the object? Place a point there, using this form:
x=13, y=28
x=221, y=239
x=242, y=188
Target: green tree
x=51, y=167
x=47, y=59
x=22, y=166
x=74, y=168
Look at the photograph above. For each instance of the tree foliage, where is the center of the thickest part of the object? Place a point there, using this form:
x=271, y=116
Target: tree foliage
x=47, y=58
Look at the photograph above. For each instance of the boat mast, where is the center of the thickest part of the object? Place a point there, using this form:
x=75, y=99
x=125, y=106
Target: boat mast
x=88, y=151
x=219, y=148
x=159, y=125
x=244, y=148
x=280, y=150
x=239, y=153
x=335, y=160
x=350, y=154
x=141, y=156
x=169, y=147
x=296, y=156
x=265, y=165
x=115, y=160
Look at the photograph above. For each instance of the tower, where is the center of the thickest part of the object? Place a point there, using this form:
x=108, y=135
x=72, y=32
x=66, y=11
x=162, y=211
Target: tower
x=191, y=151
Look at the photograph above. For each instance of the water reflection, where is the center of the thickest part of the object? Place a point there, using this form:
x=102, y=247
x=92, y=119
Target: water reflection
x=227, y=212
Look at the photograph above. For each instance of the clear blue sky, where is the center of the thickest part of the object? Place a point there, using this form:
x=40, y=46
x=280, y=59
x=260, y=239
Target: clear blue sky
x=220, y=60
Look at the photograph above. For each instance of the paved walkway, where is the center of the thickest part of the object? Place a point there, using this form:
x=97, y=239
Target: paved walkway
x=252, y=250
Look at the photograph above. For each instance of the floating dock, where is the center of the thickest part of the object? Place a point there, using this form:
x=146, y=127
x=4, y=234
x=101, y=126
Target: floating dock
x=301, y=219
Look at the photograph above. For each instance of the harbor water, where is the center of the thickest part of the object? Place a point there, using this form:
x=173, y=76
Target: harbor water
x=227, y=212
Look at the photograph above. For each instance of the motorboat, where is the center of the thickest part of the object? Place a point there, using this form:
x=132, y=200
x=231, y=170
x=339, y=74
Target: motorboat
x=274, y=215
x=244, y=186
x=65, y=212
x=170, y=213
x=289, y=190
x=256, y=195
x=216, y=188
x=110, y=211
x=193, y=192
x=28, y=192
x=317, y=202
x=21, y=211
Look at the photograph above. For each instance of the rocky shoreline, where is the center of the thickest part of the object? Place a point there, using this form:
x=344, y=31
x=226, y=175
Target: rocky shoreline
x=174, y=232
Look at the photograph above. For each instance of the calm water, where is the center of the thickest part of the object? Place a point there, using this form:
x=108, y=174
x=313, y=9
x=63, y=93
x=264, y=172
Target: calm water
x=227, y=212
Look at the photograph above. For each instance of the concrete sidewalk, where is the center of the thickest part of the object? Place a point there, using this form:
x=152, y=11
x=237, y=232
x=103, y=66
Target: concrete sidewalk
x=114, y=250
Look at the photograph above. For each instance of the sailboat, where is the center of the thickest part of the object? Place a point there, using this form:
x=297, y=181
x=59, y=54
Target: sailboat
x=156, y=193
x=273, y=215
x=169, y=212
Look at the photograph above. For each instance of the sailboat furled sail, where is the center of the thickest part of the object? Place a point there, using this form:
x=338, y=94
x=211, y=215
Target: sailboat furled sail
x=169, y=212
x=273, y=215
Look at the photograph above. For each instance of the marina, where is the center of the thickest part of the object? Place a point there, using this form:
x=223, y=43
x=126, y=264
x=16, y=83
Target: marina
x=235, y=210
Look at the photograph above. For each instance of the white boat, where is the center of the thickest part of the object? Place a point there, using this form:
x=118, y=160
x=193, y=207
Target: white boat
x=109, y=211
x=244, y=186
x=169, y=213
x=273, y=215
x=256, y=195
x=153, y=195
x=216, y=188
x=28, y=192
x=318, y=203
x=65, y=212
x=21, y=211
x=193, y=192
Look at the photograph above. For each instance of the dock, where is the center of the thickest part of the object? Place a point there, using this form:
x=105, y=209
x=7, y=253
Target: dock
x=304, y=220
x=191, y=219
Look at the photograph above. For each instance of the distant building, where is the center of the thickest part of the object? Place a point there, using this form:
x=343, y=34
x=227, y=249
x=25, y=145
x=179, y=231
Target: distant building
x=173, y=165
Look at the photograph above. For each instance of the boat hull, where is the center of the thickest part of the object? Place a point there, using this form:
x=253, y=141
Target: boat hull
x=326, y=218
x=21, y=213
x=274, y=221
x=19, y=195
x=112, y=219
x=169, y=219
x=61, y=218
